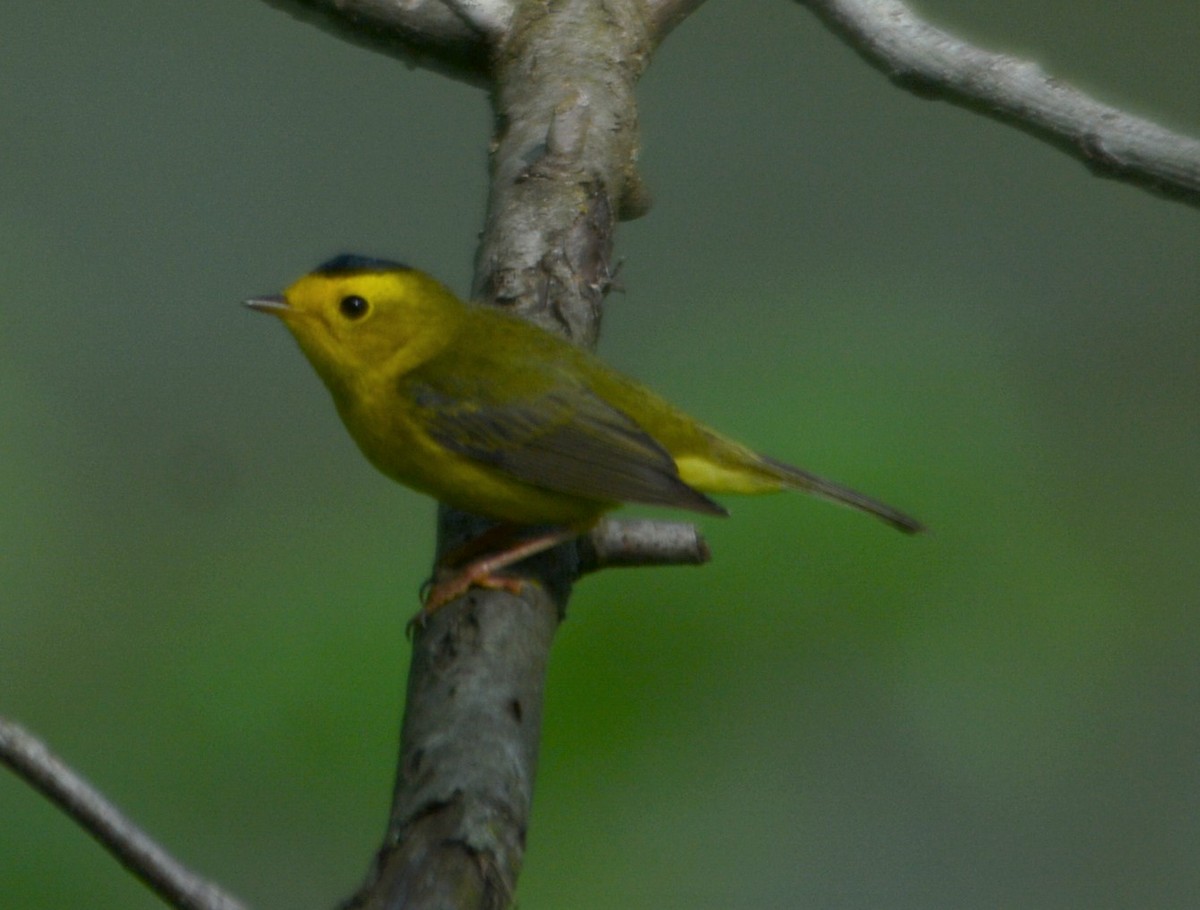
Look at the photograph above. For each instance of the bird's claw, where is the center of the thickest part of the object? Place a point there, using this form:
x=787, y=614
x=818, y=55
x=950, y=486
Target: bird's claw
x=437, y=592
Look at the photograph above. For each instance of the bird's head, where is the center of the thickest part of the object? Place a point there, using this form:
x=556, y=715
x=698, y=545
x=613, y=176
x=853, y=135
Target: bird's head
x=354, y=316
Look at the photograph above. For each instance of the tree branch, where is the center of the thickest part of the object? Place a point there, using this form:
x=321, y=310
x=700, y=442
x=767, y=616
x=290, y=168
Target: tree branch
x=563, y=166
x=634, y=543
x=488, y=17
x=664, y=15
x=451, y=37
x=446, y=37
x=136, y=851
x=934, y=63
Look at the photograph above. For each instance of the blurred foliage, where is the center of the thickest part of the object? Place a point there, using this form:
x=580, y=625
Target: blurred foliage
x=203, y=586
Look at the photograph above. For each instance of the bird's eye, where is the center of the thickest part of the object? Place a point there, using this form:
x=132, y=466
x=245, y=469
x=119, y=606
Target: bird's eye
x=353, y=306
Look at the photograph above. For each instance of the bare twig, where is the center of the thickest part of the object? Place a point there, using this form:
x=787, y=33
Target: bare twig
x=488, y=17
x=630, y=543
x=439, y=36
x=664, y=15
x=135, y=850
x=937, y=64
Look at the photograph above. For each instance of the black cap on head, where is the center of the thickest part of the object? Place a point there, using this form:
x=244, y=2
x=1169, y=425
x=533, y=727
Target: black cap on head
x=351, y=262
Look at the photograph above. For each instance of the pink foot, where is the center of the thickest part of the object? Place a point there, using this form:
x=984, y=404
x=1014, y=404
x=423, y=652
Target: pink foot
x=446, y=589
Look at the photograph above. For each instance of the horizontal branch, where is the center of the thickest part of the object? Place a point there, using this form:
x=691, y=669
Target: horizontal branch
x=935, y=63
x=136, y=851
x=629, y=543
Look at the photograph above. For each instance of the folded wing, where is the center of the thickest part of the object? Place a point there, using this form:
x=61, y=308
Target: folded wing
x=563, y=438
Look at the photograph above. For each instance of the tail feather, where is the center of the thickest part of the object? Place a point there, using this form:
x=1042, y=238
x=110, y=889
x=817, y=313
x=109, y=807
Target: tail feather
x=827, y=489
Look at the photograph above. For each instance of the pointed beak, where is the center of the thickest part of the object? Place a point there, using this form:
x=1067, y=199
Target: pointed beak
x=275, y=304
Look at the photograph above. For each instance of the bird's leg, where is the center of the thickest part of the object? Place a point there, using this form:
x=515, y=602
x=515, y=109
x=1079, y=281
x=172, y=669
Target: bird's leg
x=493, y=540
x=477, y=562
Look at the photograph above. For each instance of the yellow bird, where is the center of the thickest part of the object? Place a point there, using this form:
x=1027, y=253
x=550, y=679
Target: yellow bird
x=493, y=415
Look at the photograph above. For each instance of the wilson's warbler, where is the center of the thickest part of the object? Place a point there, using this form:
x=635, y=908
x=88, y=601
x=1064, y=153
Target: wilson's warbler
x=497, y=417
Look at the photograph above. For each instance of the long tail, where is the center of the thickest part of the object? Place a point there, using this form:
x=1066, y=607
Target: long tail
x=827, y=489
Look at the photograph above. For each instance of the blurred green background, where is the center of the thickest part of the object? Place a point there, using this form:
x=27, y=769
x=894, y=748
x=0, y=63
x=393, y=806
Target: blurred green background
x=203, y=586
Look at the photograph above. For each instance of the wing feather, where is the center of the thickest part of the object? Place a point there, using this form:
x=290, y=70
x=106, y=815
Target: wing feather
x=563, y=438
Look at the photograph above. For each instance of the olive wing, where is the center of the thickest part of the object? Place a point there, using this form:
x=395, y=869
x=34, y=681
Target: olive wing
x=565, y=439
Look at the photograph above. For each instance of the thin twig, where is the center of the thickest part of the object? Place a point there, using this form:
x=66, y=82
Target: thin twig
x=937, y=64
x=133, y=848
x=637, y=542
x=433, y=34
x=664, y=15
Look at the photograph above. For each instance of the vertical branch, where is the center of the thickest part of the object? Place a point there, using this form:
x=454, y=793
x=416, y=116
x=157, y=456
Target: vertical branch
x=564, y=164
x=561, y=171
